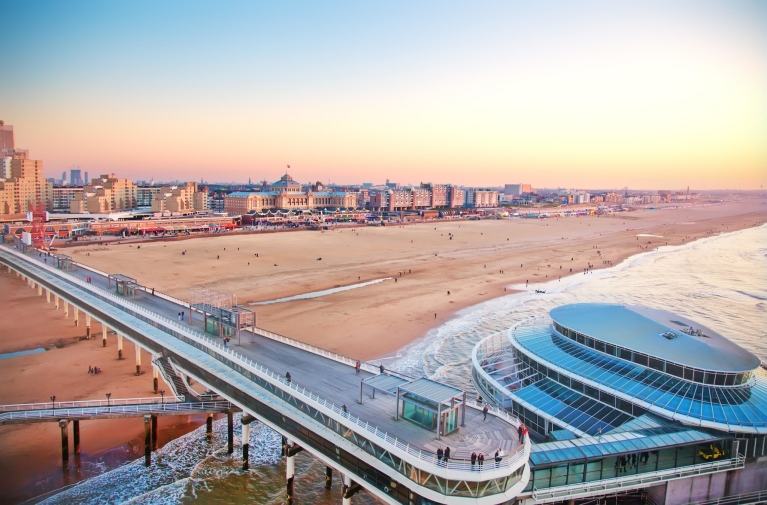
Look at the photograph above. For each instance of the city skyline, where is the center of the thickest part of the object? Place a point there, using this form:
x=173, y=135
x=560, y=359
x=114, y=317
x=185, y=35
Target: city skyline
x=589, y=96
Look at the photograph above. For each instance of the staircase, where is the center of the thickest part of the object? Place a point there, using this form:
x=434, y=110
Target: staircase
x=176, y=382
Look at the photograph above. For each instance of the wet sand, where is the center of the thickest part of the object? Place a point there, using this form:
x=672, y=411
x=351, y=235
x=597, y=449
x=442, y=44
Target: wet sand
x=30, y=461
x=480, y=260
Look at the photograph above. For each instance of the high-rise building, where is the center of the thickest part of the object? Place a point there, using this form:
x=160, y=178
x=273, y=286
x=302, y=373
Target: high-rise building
x=63, y=178
x=180, y=199
x=105, y=194
x=86, y=180
x=75, y=177
x=6, y=137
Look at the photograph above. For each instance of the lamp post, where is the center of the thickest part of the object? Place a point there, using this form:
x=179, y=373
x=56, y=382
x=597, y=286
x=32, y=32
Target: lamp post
x=108, y=406
x=53, y=403
x=162, y=396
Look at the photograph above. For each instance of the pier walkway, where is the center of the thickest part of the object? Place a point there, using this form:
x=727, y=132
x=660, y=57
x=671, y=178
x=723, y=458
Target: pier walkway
x=318, y=409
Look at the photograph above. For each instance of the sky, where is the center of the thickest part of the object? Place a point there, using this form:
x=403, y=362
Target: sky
x=650, y=94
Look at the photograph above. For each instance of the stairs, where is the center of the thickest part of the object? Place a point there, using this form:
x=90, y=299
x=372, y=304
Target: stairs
x=176, y=382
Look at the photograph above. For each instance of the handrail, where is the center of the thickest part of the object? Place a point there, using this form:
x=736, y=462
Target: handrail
x=183, y=332
x=168, y=379
x=743, y=498
x=89, y=403
x=114, y=409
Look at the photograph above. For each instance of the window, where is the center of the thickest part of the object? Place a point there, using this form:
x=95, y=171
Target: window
x=657, y=364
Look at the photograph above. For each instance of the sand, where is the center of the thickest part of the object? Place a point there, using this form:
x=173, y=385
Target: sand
x=31, y=454
x=480, y=260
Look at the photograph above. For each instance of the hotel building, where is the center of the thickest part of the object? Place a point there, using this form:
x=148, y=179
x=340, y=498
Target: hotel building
x=625, y=399
x=21, y=179
x=105, y=194
x=286, y=194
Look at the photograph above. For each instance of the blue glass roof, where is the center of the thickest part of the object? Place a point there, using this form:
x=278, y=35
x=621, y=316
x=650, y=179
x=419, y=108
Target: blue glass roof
x=642, y=329
x=642, y=438
x=579, y=413
x=739, y=409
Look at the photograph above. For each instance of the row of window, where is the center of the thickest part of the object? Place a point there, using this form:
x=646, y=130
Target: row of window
x=580, y=387
x=671, y=368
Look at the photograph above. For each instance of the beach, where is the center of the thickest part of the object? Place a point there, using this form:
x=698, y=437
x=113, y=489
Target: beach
x=472, y=260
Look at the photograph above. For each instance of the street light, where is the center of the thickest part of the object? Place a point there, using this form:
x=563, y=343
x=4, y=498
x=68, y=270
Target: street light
x=53, y=403
x=108, y=406
x=162, y=396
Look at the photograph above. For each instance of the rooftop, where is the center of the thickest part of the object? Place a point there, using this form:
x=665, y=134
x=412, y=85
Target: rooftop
x=648, y=330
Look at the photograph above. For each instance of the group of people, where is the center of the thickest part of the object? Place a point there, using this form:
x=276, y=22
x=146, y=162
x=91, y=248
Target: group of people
x=443, y=455
x=89, y=279
x=628, y=461
x=94, y=369
x=522, y=431
x=180, y=314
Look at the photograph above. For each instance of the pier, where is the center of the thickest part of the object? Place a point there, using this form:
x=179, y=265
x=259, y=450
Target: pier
x=380, y=430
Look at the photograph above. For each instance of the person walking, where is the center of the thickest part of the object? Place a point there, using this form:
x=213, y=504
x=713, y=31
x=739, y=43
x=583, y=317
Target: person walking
x=288, y=377
x=481, y=460
x=381, y=368
x=440, y=455
x=447, y=454
x=485, y=410
x=524, y=434
x=357, y=367
x=473, y=459
x=519, y=432
x=498, y=457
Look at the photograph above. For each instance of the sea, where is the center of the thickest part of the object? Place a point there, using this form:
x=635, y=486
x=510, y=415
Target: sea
x=719, y=281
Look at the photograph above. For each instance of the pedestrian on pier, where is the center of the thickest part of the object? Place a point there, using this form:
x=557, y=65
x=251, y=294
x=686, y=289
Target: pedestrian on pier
x=484, y=412
x=288, y=377
x=498, y=457
x=519, y=432
x=481, y=460
x=381, y=368
x=447, y=454
x=440, y=455
x=357, y=367
x=525, y=431
x=473, y=459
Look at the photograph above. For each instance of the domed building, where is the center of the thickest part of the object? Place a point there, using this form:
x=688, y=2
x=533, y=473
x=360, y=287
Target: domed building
x=632, y=398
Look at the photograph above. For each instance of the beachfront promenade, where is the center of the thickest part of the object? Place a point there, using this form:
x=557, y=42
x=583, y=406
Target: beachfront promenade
x=318, y=409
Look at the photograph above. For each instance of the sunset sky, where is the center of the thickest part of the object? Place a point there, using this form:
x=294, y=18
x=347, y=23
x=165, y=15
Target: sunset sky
x=607, y=94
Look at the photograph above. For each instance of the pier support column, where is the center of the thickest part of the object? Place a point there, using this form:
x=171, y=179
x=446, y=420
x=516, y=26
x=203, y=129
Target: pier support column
x=87, y=326
x=76, y=314
x=347, y=482
x=66, y=310
x=39, y=290
x=104, y=334
x=76, y=433
x=147, y=440
x=120, y=351
x=245, y=445
x=138, y=359
x=230, y=431
x=328, y=477
x=48, y=296
x=56, y=300
x=290, y=471
x=209, y=427
x=350, y=489
x=63, y=424
x=154, y=432
x=156, y=379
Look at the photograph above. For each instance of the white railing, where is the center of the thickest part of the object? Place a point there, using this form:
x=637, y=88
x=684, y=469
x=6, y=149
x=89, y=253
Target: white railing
x=89, y=403
x=634, y=481
x=84, y=412
x=522, y=453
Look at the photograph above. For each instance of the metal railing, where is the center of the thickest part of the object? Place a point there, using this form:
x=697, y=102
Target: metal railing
x=89, y=403
x=203, y=342
x=84, y=412
x=739, y=499
x=634, y=481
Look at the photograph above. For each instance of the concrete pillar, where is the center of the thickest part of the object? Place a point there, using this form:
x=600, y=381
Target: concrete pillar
x=56, y=299
x=328, y=477
x=154, y=432
x=209, y=427
x=147, y=440
x=63, y=424
x=156, y=379
x=245, y=444
x=39, y=290
x=104, y=334
x=87, y=326
x=66, y=309
x=290, y=471
x=76, y=314
x=48, y=296
x=120, y=351
x=347, y=484
x=76, y=433
x=138, y=359
x=230, y=431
